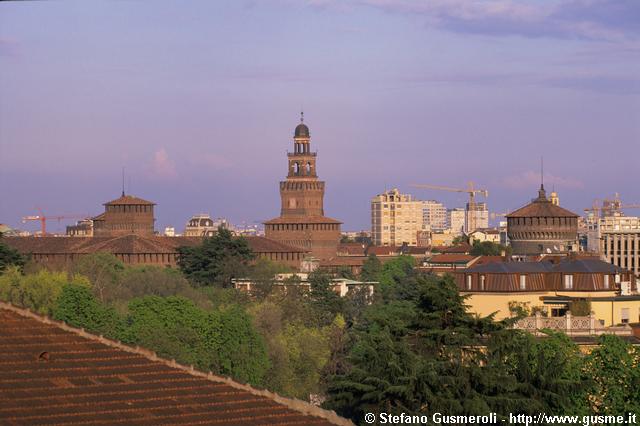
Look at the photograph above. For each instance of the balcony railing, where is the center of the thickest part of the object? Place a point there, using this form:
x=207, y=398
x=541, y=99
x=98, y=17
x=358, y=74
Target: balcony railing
x=571, y=325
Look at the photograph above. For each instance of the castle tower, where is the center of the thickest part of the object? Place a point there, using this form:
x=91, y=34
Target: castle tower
x=302, y=222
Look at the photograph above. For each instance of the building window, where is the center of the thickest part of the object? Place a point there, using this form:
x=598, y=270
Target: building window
x=523, y=282
x=468, y=282
x=606, y=282
x=624, y=315
x=482, y=278
x=568, y=282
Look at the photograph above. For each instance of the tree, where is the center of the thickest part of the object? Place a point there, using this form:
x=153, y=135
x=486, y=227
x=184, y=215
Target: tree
x=77, y=306
x=423, y=355
x=371, y=269
x=223, y=341
x=217, y=260
x=10, y=257
x=324, y=302
x=613, y=367
x=488, y=248
x=38, y=292
x=104, y=270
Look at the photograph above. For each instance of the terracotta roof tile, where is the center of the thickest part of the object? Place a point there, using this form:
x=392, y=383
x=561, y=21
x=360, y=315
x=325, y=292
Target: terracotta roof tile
x=129, y=244
x=129, y=200
x=452, y=258
x=541, y=208
x=86, y=379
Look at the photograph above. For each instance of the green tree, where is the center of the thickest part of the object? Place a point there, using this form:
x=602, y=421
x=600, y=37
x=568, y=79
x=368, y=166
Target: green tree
x=10, y=257
x=77, y=306
x=222, y=341
x=488, y=248
x=324, y=302
x=104, y=270
x=614, y=369
x=217, y=260
x=423, y=355
x=39, y=291
x=371, y=269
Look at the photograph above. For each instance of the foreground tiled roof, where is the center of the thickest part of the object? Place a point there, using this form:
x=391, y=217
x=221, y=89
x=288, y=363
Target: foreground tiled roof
x=128, y=244
x=53, y=374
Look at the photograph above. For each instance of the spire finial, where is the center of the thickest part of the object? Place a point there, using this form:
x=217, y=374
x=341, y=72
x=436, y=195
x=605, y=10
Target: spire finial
x=541, y=172
x=123, y=181
x=301, y=116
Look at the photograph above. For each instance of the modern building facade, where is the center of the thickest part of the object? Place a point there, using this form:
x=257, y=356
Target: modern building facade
x=302, y=222
x=542, y=227
x=396, y=219
x=457, y=219
x=434, y=215
x=617, y=239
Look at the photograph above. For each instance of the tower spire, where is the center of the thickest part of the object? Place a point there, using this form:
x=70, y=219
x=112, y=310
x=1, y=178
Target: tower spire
x=542, y=173
x=123, y=181
x=301, y=115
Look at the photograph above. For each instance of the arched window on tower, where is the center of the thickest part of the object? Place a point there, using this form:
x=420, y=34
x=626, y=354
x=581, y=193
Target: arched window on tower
x=296, y=168
x=308, y=168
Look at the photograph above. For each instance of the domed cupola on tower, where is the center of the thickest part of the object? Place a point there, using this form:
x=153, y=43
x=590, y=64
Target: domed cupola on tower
x=302, y=222
x=542, y=227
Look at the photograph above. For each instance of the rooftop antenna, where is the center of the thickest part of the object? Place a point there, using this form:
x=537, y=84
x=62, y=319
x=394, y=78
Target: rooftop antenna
x=123, y=181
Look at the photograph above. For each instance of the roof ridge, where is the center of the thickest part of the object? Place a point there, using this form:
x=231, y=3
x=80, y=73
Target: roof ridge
x=291, y=403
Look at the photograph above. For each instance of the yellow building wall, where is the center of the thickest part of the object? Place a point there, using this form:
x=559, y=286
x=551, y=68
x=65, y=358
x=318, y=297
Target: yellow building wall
x=611, y=312
x=484, y=304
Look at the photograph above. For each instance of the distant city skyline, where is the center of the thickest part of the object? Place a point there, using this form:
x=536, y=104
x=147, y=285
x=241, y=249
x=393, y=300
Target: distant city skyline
x=199, y=104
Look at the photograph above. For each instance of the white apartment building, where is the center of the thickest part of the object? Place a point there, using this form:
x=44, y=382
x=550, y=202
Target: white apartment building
x=456, y=220
x=396, y=219
x=434, y=215
x=617, y=239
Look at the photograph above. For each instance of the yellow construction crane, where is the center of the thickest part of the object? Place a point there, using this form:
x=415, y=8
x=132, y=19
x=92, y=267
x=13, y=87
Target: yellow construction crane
x=471, y=190
x=612, y=209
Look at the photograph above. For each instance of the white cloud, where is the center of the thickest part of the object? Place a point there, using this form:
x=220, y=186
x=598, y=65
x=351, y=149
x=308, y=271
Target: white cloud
x=161, y=166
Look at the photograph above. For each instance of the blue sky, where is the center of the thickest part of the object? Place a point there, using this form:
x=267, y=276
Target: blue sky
x=198, y=101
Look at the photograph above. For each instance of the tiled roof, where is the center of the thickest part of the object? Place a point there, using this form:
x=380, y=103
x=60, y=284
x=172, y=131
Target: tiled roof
x=301, y=219
x=129, y=200
x=383, y=250
x=130, y=243
x=352, y=249
x=54, y=374
x=452, y=258
x=542, y=208
x=564, y=266
x=266, y=245
x=458, y=248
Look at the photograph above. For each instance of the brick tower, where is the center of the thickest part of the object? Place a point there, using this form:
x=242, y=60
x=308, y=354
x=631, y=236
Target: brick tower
x=302, y=222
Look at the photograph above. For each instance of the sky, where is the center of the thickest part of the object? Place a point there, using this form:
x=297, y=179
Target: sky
x=198, y=101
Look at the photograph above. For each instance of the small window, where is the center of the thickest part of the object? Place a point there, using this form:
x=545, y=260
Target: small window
x=482, y=278
x=606, y=282
x=523, y=282
x=624, y=315
x=468, y=282
x=568, y=282
x=617, y=278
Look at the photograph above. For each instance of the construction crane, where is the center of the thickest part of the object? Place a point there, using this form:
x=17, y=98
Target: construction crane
x=609, y=206
x=43, y=219
x=471, y=206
